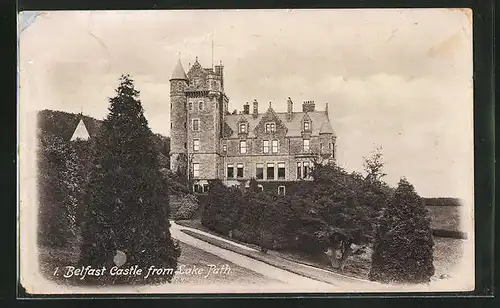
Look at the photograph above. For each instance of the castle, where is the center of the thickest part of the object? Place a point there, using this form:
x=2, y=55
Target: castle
x=208, y=142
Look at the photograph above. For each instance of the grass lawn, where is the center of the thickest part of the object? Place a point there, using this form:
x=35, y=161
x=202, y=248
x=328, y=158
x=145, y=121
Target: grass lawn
x=445, y=217
x=447, y=253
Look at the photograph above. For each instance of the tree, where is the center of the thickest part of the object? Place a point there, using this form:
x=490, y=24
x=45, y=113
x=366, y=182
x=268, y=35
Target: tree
x=127, y=211
x=374, y=165
x=332, y=216
x=403, y=247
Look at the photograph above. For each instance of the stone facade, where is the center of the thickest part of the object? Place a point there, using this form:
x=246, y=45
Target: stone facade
x=207, y=142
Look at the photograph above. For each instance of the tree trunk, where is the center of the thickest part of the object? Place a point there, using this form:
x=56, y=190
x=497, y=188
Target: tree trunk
x=346, y=253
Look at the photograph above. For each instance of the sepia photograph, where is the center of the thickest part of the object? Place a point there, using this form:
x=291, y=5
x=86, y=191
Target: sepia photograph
x=246, y=151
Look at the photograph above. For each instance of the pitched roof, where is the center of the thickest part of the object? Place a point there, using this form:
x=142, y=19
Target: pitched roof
x=80, y=132
x=319, y=122
x=179, y=72
x=326, y=128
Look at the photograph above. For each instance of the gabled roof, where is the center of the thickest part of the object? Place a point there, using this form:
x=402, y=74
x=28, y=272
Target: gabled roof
x=319, y=121
x=80, y=132
x=179, y=72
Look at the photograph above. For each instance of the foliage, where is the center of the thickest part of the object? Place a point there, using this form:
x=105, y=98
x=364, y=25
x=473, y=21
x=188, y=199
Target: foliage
x=220, y=211
x=442, y=202
x=374, y=165
x=126, y=197
x=60, y=179
x=183, y=206
x=403, y=247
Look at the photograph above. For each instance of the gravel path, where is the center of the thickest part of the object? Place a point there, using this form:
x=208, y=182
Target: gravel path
x=288, y=281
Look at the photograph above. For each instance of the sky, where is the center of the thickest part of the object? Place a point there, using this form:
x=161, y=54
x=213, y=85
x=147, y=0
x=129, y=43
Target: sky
x=396, y=79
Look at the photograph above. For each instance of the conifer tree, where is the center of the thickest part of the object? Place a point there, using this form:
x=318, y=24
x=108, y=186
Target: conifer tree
x=126, y=219
x=403, y=246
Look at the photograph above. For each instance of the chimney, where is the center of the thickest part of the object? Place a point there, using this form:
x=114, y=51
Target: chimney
x=326, y=108
x=246, y=108
x=255, y=109
x=308, y=106
x=289, y=108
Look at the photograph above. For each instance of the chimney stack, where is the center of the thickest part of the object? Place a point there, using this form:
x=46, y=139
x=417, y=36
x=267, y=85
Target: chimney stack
x=326, y=108
x=289, y=108
x=308, y=106
x=246, y=108
x=255, y=109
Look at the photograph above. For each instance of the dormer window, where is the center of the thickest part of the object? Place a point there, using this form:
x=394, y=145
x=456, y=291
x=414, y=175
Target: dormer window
x=307, y=126
x=270, y=127
x=243, y=128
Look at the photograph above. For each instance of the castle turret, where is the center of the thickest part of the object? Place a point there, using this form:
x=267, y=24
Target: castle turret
x=178, y=120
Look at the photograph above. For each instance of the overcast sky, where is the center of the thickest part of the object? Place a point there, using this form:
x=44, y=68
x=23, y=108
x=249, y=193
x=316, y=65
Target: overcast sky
x=400, y=79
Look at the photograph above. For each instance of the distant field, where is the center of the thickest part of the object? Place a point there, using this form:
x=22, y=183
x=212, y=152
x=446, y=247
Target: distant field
x=445, y=217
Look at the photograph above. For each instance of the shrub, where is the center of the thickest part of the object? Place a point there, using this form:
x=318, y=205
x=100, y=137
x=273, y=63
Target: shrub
x=403, y=246
x=183, y=207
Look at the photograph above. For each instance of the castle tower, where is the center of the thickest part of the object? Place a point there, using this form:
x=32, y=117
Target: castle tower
x=178, y=120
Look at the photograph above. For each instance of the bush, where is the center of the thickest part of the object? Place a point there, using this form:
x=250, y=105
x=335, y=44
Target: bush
x=403, y=247
x=183, y=207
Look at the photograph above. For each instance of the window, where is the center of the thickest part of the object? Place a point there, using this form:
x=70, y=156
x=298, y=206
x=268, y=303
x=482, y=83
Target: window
x=171, y=126
x=281, y=171
x=196, y=170
x=306, y=170
x=230, y=171
x=197, y=188
x=330, y=145
x=243, y=128
x=260, y=187
x=266, y=146
x=196, y=144
x=306, y=125
x=270, y=171
x=299, y=170
x=201, y=105
x=321, y=146
x=190, y=106
x=275, y=146
x=239, y=170
x=205, y=187
x=281, y=190
x=224, y=148
x=259, y=171
x=243, y=146
x=196, y=125
x=306, y=145
x=270, y=127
